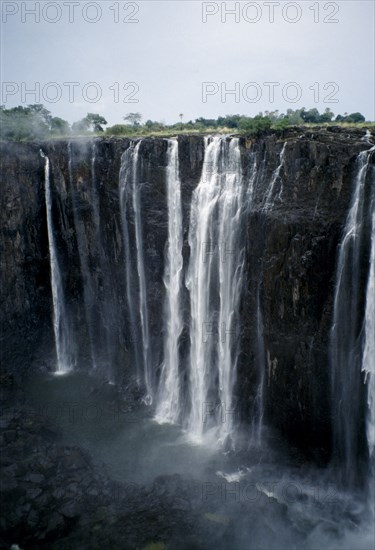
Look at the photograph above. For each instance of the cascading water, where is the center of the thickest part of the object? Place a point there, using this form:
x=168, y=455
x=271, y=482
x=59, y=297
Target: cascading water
x=231, y=267
x=274, y=180
x=106, y=304
x=130, y=174
x=214, y=281
x=368, y=358
x=255, y=181
x=89, y=291
x=125, y=181
x=98, y=304
x=63, y=342
x=260, y=364
x=169, y=396
x=368, y=361
x=98, y=242
x=347, y=358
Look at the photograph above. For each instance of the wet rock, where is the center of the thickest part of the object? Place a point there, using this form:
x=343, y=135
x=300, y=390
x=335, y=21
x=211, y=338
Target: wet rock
x=10, y=436
x=8, y=484
x=33, y=518
x=74, y=460
x=55, y=521
x=34, y=478
x=70, y=510
x=59, y=493
x=34, y=493
x=9, y=471
x=23, y=510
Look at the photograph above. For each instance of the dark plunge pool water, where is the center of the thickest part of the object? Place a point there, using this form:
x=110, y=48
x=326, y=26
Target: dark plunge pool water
x=266, y=499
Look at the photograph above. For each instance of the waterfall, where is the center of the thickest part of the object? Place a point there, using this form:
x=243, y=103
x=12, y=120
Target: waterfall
x=255, y=180
x=89, y=293
x=169, y=396
x=106, y=307
x=141, y=273
x=130, y=188
x=97, y=298
x=368, y=361
x=64, y=354
x=214, y=279
x=260, y=364
x=95, y=201
x=125, y=181
x=368, y=364
x=347, y=358
x=275, y=178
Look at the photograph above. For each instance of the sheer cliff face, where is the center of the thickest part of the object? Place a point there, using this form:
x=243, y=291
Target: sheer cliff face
x=292, y=253
x=298, y=193
x=25, y=300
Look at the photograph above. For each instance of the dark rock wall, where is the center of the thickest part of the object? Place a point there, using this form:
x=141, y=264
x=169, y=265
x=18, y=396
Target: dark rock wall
x=25, y=288
x=291, y=251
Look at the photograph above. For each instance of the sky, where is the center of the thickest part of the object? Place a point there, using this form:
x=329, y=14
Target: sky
x=199, y=59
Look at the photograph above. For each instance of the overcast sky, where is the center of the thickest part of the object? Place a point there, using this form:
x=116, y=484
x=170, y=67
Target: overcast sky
x=171, y=61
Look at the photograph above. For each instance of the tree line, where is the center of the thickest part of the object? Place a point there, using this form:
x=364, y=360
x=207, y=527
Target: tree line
x=36, y=122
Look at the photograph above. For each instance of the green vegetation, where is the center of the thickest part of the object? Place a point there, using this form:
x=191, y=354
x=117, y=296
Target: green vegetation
x=36, y=122
x=92, y=123
x=239, y=124
x=134, y=119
